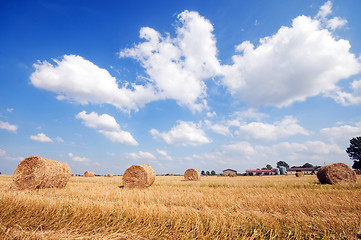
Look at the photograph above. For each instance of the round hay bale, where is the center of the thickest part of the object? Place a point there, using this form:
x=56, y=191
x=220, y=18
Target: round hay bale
x=300, y=174
x=358, y=235
x=192, y=175
x=336, y=173
x=233, y=175
x=37, y=173
x=140, y=176
x=89, y=174
x=109, y=175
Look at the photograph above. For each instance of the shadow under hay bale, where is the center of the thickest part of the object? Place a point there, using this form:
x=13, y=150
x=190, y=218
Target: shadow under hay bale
x=336, y=173
x=300, y=174
x=89, y=174
x=139, y=176
x=36, y=173
x=192, y=175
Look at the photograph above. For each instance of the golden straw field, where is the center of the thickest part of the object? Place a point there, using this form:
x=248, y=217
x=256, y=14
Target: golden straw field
x=267, y=207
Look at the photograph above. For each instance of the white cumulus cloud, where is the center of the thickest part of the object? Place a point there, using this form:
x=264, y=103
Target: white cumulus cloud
x=107, y=125
x=176, y=68
x=297, y=62
x=41, y=137
x=77, y=79
x=93, y=120
x=183, y=134
x=179, y=66
x=8, y=127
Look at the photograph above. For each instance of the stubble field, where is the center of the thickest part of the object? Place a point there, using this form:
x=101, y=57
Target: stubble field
x=267, y=207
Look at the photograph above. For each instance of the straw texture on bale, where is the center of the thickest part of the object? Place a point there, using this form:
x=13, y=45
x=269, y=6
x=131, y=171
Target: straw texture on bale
x=192, y=175
x=357, y=171
x=300, y=174
x=336, y=173
x=89, y=174
x=36, y=173
x=140, y=176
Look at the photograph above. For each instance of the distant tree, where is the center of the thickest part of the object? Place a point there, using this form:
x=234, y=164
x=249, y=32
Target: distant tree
x=268, y=166
x=203, y=173
x=307, y=165
x=263, y=168
x=208, y=173
x=354, y=152
x=356, y=165
x=283, y=164
x=213, y=172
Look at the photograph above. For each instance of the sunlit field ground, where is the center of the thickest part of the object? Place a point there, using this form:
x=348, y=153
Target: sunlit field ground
x=267, y=207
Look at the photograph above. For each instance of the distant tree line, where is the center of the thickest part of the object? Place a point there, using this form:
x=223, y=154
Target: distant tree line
x=306, y=165
x=284, y=164
x=353, y=151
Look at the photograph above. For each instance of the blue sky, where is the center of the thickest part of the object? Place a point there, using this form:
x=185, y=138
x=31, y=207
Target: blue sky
x=209, y=85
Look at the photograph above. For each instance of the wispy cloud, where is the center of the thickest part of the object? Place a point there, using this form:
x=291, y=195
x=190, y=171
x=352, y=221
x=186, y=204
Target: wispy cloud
x=140, y=155
x=77, y=158
x=6, y=156
x=164, y=154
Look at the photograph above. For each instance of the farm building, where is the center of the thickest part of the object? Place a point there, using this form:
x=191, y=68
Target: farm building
x=228, y=172
x=306, y=171
x=261, y=172
x=277, y=171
